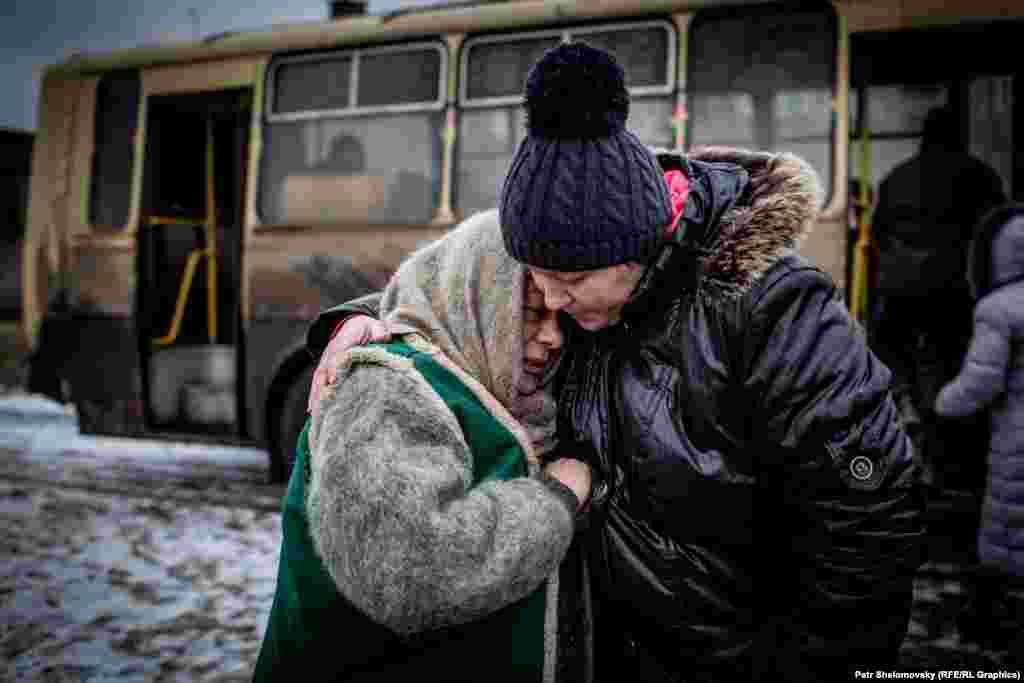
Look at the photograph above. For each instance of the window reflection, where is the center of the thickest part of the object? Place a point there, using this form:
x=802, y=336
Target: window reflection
x=117, y=115
x=374, y=158
x=764, y=80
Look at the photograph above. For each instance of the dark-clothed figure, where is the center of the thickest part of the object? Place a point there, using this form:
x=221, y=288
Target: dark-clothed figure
x=758, y=515
x=762, y=518
x=992, y=379
x=927, y=208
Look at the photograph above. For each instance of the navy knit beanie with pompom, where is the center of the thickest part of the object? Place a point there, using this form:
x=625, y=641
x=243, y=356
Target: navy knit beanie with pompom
x=582, y=192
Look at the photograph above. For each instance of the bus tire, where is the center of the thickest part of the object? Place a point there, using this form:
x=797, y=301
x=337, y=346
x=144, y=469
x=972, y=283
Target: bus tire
x=289, y=425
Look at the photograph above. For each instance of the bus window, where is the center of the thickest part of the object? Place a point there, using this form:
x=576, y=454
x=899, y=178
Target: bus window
x=643, y=53
x=313, y=86
x=763, y=79
x=117, y=115
x=990, y=124
x=498, y=69
x=647, y=54
x=354, y=136
x=894, y=115
x=494, y=71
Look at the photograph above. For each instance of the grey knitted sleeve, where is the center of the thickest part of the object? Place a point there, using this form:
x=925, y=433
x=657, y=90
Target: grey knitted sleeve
x=983, y=376
x=392, y=515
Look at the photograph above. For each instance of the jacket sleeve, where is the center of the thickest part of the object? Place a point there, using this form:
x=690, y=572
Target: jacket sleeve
x=983, y=376
x=394, y=517
x=319, y=334
x=838, y=466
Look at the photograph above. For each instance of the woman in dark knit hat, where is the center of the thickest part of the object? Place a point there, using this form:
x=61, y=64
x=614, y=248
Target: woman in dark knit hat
x=759, y=515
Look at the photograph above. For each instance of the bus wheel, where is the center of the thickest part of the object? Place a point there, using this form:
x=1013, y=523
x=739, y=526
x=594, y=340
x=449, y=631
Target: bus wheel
x=292, y=419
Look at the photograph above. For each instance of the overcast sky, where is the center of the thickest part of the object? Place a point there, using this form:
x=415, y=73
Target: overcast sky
x=41, y=32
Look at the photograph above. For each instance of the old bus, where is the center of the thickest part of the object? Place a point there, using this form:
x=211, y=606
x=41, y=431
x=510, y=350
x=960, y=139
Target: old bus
x=194, y=205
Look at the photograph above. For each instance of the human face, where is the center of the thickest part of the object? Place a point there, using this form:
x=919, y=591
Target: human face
x=542, y=336
x=594, y=298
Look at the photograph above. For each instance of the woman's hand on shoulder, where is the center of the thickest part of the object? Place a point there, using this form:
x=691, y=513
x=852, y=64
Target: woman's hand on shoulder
x=356, y=330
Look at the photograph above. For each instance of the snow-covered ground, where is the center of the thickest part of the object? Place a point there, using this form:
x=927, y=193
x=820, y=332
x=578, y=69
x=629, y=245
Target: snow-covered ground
x=46, y=428
x=129, y=560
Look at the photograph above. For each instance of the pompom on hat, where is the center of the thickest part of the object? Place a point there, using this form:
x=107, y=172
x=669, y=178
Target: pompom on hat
x=582, y=192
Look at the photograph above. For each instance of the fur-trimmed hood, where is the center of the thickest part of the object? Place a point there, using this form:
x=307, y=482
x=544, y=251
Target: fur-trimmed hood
x=745, y=210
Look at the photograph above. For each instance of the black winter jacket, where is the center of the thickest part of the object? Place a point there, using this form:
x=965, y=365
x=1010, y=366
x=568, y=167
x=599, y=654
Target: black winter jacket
x=760, y=516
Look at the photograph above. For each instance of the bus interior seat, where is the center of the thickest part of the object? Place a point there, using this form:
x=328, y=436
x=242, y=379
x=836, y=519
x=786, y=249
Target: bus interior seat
x=318, y=197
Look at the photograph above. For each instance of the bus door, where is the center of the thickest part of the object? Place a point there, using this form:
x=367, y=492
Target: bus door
x=897, y=78
x=189, y=253
x=891, y=97
x=891, y=94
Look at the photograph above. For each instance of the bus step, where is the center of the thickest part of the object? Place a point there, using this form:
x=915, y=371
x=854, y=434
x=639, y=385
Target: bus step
x=208, y=404
x=190, y=380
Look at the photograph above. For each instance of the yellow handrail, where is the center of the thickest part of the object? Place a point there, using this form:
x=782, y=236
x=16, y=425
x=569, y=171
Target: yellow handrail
x=173, y=220
x=211, y=239
x=862, y=250
x=209, y=253
x=183, y=290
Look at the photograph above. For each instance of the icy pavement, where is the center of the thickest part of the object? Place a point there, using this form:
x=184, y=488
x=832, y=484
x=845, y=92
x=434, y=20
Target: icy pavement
x=129, y=560
x=97, y=587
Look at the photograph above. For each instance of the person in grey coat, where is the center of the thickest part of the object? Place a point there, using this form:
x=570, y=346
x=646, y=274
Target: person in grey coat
x=427, y=524
x=992, y=379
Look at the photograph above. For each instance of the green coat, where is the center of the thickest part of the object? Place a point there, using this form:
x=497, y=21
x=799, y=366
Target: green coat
x=331, y=617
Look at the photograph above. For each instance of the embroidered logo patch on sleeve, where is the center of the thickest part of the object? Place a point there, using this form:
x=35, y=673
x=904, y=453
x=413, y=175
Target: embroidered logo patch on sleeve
x=862, y=468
